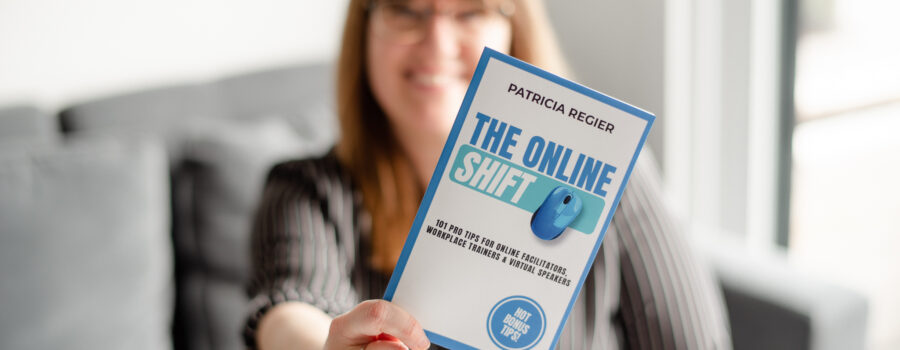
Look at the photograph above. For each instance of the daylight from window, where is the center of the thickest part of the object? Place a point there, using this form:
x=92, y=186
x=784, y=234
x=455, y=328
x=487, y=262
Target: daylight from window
x=845, y=216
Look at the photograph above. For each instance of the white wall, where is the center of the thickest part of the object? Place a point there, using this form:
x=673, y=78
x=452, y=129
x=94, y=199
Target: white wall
x=54, y=52
x=617, y=47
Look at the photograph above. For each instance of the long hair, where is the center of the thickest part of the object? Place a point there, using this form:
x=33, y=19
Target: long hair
x=369, y=150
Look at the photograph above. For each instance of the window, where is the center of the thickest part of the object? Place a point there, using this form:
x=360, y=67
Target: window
x=845, y=196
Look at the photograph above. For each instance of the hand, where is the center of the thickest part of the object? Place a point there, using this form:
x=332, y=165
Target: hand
x=376, y=325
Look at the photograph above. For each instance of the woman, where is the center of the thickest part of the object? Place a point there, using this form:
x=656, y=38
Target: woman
x=330, y=230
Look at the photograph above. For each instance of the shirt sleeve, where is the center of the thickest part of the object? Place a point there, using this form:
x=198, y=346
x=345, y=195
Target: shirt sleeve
x=302, y=241
x=669, y=299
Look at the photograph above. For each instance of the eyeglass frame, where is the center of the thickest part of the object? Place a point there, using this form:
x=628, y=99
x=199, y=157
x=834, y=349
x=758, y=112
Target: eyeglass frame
x=506, y=10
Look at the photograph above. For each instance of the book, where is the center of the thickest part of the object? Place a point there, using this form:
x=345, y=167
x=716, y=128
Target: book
x=517, y=207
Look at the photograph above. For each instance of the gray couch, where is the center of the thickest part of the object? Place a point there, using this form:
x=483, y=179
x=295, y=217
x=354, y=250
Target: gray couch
x=124, y=222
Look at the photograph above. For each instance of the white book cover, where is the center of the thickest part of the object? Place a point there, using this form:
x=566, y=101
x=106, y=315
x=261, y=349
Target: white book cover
x=517, y=208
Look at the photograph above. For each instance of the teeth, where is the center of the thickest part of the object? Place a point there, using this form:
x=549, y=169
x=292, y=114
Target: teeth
x=431, y=79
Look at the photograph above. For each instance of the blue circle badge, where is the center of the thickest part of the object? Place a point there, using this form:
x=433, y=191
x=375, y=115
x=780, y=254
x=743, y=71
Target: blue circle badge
x=516, y=322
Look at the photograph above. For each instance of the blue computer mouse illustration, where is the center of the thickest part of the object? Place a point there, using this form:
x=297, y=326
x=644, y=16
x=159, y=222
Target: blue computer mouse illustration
x=559, y=209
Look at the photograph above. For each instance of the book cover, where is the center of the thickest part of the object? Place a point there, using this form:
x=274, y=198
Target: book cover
x=517, y=207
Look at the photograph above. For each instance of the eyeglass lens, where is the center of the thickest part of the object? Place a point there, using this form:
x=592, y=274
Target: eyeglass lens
x=407, y=21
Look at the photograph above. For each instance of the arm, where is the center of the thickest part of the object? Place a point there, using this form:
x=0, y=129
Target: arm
x=300, y=269
x=302, y=241
x=669, y=300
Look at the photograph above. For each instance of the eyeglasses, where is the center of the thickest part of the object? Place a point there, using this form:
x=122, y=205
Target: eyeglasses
x=406, y=22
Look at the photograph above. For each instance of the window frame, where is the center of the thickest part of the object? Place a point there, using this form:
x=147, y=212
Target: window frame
x=729, y=117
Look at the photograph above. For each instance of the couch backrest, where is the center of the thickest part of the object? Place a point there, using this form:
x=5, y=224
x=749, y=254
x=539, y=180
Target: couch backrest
x=221, y=138
x=24, y=123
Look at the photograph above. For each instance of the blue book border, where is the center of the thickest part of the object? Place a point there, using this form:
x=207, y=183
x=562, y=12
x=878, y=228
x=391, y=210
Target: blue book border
x=486, y=56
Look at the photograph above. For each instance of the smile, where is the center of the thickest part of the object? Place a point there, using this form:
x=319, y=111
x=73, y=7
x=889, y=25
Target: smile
x=431, y=79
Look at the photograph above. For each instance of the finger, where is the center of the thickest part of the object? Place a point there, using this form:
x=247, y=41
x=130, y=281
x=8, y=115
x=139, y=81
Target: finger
x=373, y=317
x=386, y=345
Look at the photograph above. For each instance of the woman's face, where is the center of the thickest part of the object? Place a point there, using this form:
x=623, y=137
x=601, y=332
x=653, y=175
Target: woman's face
x=422, y=54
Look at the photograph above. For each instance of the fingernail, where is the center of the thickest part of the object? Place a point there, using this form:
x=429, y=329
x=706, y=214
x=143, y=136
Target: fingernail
x=424, y=344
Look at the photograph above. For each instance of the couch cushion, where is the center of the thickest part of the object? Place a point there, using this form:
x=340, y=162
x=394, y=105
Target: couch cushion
x=185, y=117
x=301, y=94
x=156, y=109
x=229, y=161
x=289, y=90
x=26, y=123
x=162, y=112
x=85, y=254
x=773, y=306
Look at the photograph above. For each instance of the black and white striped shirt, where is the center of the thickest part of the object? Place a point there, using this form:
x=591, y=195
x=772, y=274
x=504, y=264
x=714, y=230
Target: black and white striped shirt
x=646, y=289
